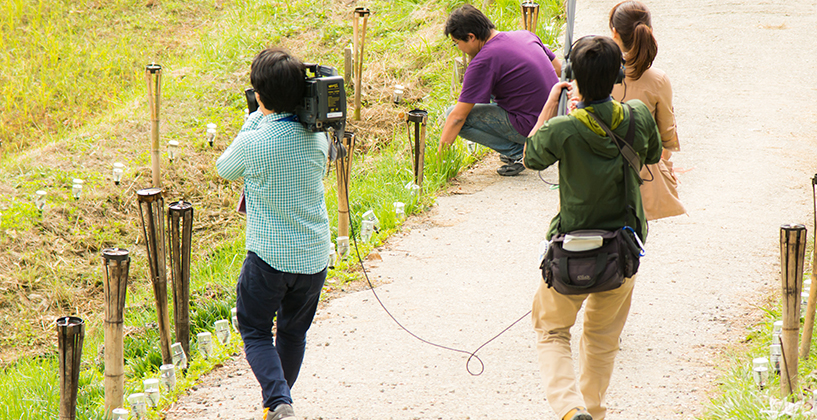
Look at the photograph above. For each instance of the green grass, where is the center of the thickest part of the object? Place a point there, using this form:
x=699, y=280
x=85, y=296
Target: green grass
x=72, y=107
x=738, y=396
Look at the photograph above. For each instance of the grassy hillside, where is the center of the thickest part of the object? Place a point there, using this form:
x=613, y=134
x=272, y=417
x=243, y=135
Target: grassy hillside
x=74, y=101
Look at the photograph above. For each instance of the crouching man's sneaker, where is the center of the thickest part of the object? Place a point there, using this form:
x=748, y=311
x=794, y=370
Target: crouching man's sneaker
x=578, y=413
x=282, y=412
x=511, y=167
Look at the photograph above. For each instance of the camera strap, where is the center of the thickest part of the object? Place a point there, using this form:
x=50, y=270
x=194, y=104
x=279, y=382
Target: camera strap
x=292, y=117
x=625, y=147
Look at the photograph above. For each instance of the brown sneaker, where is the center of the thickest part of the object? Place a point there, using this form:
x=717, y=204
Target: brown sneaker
x=282, y=412
x=577, y=413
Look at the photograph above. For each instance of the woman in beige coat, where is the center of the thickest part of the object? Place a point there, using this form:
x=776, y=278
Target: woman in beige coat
x=632, y=29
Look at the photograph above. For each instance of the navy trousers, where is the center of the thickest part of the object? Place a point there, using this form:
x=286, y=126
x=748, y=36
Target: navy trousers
x=262, y=293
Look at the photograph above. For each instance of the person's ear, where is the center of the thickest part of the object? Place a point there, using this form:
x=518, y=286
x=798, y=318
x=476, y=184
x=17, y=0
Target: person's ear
x=615, y=33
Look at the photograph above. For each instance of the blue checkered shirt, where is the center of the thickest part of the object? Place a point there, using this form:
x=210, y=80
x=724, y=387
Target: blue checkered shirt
x=283, y=165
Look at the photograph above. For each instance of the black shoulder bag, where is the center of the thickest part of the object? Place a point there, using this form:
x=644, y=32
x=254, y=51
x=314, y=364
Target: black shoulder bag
x=592, y=261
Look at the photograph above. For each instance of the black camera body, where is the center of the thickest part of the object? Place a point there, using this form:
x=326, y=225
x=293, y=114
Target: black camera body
x=324, y=105
x=324, y=102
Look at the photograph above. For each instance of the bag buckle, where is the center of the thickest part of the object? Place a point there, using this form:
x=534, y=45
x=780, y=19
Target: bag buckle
x=641, y=251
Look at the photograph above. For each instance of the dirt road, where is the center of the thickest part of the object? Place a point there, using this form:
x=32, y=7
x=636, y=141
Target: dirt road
x=744, y=79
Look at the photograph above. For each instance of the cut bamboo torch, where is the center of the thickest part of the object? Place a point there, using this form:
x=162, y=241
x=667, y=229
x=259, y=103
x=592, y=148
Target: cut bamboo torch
x=792, y=256
x=117, y=265
x=151, y=210
x=153, y=76
x=70, y=335
x=359, y=35
x=530, y=16
x=419, y=118
x=343, y=166
x=180, y=227
x=808, y=324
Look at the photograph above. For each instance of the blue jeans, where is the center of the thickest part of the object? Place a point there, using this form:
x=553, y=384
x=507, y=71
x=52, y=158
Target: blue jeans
x=263, y=292
x=489, y=125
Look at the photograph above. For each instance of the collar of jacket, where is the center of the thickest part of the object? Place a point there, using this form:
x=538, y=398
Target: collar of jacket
x=581, y=115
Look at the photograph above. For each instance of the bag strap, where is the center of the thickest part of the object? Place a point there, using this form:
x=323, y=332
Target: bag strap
x=633, y=160
x=625, y=146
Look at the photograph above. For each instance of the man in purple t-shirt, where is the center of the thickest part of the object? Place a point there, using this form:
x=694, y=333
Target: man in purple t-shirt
x=505, y=86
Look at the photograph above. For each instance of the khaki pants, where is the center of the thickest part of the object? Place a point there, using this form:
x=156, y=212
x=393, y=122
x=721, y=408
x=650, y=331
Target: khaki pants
x=604, y=317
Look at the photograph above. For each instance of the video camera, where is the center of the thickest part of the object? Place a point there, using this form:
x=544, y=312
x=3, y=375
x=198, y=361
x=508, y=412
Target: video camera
x=324, y=102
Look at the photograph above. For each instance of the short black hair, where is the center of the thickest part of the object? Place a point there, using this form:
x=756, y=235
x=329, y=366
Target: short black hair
x=468, y=20
x=595, y=61
x=279, y=79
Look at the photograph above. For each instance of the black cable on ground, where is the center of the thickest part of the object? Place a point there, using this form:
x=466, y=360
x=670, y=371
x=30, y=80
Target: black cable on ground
x=342, y=171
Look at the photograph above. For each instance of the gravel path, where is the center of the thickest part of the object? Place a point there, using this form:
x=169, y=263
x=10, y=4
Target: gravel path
x=744, y=79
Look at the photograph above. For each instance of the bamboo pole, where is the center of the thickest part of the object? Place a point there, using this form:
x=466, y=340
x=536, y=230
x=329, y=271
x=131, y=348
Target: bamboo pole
x=419, y=118
x=458, y=74
x=153, y=76
x=360, y=41
x=792, y=256
x=117, y=264
x=151, y=210
x=70, y=335
x=180, y=229
x=348, y=64
x=808, y=324
x=343, y=166
x=530, y=16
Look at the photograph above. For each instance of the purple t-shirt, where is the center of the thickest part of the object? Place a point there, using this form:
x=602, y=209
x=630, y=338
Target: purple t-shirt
x=515, y=67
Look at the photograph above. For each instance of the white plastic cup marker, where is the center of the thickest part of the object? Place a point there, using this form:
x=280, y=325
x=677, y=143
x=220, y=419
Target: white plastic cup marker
x=222, y=327
x=152, y=392
x=138, y=403
x=234, y=318
x=205, y=344
x=367, y=230
x=179, y=358
x=168, y=376
x=343, y=246
x=119, y=414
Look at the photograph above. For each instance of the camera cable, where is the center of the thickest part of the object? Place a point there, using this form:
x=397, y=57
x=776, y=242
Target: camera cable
x=343, y=171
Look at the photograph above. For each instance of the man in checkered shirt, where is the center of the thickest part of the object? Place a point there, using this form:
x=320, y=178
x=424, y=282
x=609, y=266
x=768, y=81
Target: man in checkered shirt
x=287, y=236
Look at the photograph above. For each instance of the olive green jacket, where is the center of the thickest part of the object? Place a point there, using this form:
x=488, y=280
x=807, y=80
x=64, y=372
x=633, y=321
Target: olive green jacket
x=591, y=168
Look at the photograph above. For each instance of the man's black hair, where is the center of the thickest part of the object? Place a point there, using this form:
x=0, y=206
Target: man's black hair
x=468, y=20
x=279, y=79
x=595, y=61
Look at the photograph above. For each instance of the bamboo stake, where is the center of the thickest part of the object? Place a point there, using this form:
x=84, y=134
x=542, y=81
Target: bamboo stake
x=343, y=166
x=181, y=213
x=117, y=264
x=792, y=256
x=530, y=16
x=153, y=76
x=419, y=118
x=349, y=64
x=360, y=41
x=151, y=210
x=458, y=74
x=70, y=335
x=808, y=324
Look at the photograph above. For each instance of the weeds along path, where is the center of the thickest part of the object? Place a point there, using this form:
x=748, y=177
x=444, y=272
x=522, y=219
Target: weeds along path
x=743, y=85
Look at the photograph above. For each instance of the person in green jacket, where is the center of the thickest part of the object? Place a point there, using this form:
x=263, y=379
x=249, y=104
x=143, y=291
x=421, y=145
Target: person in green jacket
x=592, y=195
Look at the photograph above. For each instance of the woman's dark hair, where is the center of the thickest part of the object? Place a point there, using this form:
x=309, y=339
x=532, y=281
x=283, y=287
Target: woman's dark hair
x=279, y=79
x=631, y=20
x=595, y=61
x=468, y=20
